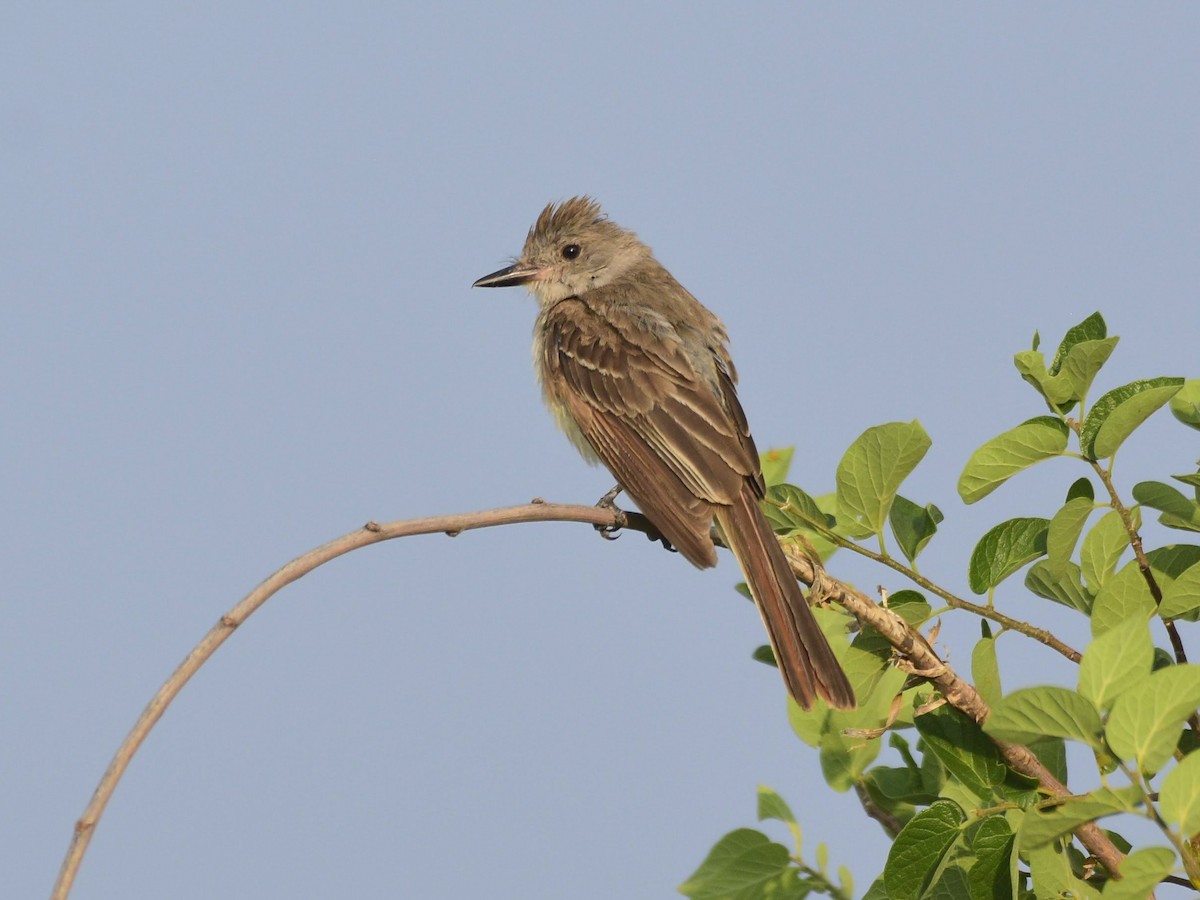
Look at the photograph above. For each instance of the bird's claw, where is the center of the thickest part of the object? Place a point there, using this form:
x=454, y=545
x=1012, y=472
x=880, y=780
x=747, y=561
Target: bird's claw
x=611, y=532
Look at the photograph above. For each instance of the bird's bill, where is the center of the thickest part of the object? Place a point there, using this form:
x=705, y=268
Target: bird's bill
x=509, y=276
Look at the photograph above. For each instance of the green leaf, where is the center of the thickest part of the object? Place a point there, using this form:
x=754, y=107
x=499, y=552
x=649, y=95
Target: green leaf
x=1083, y=362
x=772, y=806
x=1171, y=561
x=918, y=850
x=992, y=876
x=1041, y=826
x=791, y=510
x=1007, y=454
x=844, y=759
x=873, y=468
x=1093, y=328
x=1124, y=596
x=775, y=464
x=900, y=783
x=1116, y=661
x=1053, y=755
x=985, y=669
x=1179, y=797
x=1185, y=406
x=1081, y=487
x=1005, y=549
x=913, y=525
x=1192, y=480
x=911, y=606
x=1102, y=549
x=1054, y=875
x=1182, y=595
x=1118, y=413
x=1065, y=527
x=788, y=507
x=743, y=860
x=1067, y=590
x=1056, y=390
x=1146, y=722
x=1177, y=510
x=1141, y=872
x=950, y=883
x=963, y=749
x=1031, y=713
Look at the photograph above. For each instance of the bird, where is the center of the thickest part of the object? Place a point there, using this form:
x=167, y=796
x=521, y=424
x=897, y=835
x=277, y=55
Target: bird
x=637, y=373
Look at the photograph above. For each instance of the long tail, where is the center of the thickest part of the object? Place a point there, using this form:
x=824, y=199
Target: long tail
x=805, y=659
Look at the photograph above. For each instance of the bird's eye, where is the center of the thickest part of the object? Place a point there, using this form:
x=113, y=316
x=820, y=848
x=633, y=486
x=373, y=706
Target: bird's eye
x=570, y=251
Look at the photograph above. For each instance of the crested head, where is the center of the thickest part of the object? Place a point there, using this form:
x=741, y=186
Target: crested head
x=573, y=247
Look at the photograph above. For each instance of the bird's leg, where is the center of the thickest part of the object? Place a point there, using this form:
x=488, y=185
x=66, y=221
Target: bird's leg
x=611, y=532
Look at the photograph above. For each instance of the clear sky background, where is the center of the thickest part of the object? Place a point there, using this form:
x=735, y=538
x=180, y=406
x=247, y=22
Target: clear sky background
x=236, y=321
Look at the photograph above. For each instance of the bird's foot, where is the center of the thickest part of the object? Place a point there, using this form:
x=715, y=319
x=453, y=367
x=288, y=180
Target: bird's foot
x=612, y=532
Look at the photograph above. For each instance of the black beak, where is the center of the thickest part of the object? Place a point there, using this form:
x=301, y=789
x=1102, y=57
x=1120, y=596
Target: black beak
x=508, y=276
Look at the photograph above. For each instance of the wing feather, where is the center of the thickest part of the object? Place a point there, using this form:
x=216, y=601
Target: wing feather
x=674, y=437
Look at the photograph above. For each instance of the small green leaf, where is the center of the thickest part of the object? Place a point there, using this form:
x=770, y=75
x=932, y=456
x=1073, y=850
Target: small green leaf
x=1005, y=549
x=1118, y=413
x=1185, y=406
x=788, y=507
x=918, y=850
x=1031, y=713
x=963, y=749
x=1063, y=534
x=1116, y=661
x=1179, y=797
x=911, y=606
x=1093, y=328
x=1007, y=454
x=1146, y=722
x=1182, y=595
x=1102, y=549
x=1173, y=560
x=1041, y=826
x=1053, y=754
x=1056, y=390
x=1083, y=362
x=844, y=759
x=775, y=464
x=1141, y=872
x=872, y=470
x=1067, y=589
x=1177, y=510
x=1054, y=875
x=992, y=876
x=901, y=783
x=791, y=510
x=1081, y=487
x=772, y=806
x=913, y=525
x=986, y=670
x=1125, y=595
x=743, y=860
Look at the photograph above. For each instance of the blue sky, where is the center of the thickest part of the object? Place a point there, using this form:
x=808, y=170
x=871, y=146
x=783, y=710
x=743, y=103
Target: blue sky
x=236, y=322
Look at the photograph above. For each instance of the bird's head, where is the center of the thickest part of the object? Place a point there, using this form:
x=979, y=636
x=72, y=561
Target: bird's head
x=572, y=248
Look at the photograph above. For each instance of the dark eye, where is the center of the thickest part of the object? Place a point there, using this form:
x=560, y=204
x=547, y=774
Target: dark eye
x=570, y=251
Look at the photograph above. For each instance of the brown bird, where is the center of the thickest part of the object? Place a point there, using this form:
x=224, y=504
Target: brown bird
x=637, y=373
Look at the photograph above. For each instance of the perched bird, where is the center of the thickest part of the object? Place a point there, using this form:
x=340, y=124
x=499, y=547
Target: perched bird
x=637, y=373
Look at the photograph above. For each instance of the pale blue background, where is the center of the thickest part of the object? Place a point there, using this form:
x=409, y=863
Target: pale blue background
x=236, y=249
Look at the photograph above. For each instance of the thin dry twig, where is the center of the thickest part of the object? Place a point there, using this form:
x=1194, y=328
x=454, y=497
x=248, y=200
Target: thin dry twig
x=371, y=533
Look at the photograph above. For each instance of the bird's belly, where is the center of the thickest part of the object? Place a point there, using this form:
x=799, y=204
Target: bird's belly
x=570, y=429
